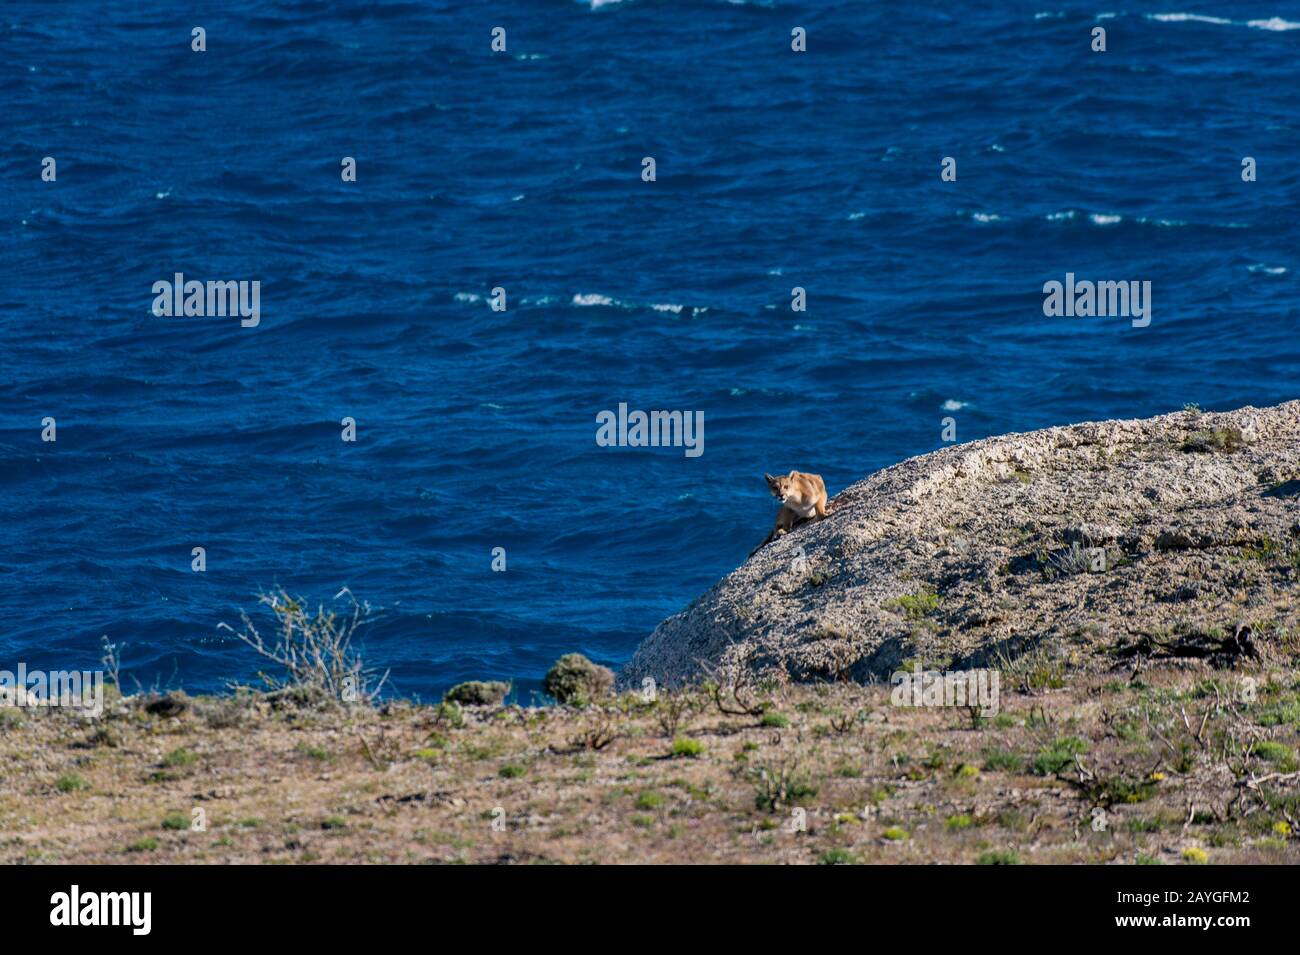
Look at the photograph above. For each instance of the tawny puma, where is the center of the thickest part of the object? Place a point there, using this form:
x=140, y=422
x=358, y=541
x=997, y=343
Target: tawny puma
x=803, y=498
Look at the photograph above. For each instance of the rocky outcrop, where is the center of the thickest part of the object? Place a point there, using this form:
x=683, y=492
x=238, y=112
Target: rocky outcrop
x=1176, y=532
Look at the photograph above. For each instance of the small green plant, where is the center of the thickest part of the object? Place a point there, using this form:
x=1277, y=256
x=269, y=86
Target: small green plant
x=780, y=785
x=1057, y=757
x=1220, y=439
x=895, y=834
x=959, y=821
x=1195, y=856
x=774, y=719
x=175, y=821
x=510, y=771
x=146, y=844
x=180, y=757
x=1279, y=753
x=449, y=712
x=914, y=606
x=999, y=857
x=70, y=783
x=333, y=822
x=837, y=857
x=684, y=746
x=649, y=800
x=1001, y=760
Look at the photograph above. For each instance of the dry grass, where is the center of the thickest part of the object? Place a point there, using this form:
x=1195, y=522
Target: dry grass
x=1172, y=759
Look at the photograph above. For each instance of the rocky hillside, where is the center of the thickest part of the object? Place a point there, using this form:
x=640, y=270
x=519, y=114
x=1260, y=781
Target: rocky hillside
x=1175, y=536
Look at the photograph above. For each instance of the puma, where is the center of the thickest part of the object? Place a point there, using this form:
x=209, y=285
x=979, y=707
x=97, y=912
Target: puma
x=803, y=498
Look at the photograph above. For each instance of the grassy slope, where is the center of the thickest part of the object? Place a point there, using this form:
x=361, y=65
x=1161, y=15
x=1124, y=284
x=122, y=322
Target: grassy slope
x=292, y=783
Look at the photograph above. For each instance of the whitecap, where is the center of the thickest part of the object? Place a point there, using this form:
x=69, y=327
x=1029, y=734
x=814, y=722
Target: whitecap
x=468, y=297
x=1102, y=219
x=592, y=299
x=954, y=405
x=1273, y=23
x=986, y=217
x=1060, y=216
x=1185, y=18
x=1268, y=269
x=675, y=309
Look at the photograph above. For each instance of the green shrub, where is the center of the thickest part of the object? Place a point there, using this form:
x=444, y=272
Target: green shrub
x=1057, y=757
x=838, y=857
x=683, y=746
x=914, y=606
x=575, y=680
x=180, y=757
x=70, y=783
x=478, y=693
x=999, y=857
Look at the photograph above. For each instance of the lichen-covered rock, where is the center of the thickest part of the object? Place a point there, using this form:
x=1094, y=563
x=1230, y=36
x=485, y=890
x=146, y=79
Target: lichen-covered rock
x=478, y=693
x=1095, y=534
x=575, y=679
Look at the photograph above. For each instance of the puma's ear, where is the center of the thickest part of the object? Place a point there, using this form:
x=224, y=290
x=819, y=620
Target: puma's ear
x=792, y=474
x=771, y=481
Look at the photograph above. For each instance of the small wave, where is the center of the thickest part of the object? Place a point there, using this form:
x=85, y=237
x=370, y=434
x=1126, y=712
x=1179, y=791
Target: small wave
x=1065, y=216
x=468, y=297
x=986, y=217
x=1099, y=218
x=592, y=299
x=675, y=309
x=953, y=405
x=1273, y=23
x=1185, y=18
x=1268, y=269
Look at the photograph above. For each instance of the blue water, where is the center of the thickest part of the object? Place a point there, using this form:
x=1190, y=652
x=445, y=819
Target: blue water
x=476, y=429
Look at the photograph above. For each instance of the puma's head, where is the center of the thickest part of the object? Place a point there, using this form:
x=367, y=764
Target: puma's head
x=781, y=487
